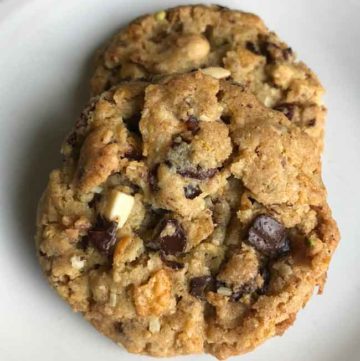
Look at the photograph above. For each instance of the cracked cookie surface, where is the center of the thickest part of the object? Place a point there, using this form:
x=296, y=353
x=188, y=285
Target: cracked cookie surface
x=186, y=38
x=187, y=217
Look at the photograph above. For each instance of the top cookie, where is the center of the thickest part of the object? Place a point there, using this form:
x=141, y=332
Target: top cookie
x=191, y=37
x=186, y=218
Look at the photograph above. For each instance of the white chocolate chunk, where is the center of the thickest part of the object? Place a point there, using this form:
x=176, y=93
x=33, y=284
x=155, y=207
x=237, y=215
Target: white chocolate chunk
x=154, y=325
x=77, y=262
x=216, y=72
x=117, y=207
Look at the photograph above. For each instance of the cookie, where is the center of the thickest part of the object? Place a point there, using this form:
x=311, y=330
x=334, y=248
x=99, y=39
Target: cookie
x=191, y=37
x=187, y=217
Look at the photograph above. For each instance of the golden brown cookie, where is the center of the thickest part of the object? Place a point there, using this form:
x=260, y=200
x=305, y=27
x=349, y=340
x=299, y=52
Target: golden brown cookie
x=187, y=217
x=190, y=37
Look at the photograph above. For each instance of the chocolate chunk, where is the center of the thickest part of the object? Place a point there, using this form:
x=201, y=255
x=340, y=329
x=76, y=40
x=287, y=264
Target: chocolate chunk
x=287, y=109
x=171, y=236
x=170, y=263
x=226, y=119
x=265, y=274
x=118, y=326
x=95, y=200
x=152, y=178
x=191, y=191
x=103, y=236
x=251, y=47
x=268, y=236
x=199, y=286
x=192, y=124
x=197, y=173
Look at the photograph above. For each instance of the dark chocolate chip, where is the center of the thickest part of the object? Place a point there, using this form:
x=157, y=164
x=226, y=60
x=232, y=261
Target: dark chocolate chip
x=287, y=109
x=170, y=263
x=199, y=286
x=251, y=47
x=103, y=235
x=269, y=237
x=265, y=274
x=191, y=191
x=197, y=173
x=174, y=241
x=226, y=119
x=119, y=327
x=95, y=200
x=192, y=124
x=152, y=178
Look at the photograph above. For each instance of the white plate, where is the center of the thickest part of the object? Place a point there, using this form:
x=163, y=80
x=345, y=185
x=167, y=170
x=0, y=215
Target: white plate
x=45, y=48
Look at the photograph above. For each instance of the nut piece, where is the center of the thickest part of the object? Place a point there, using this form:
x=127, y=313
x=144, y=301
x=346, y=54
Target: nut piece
x=154, y=298
x=117, y=207
x=216, y=72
